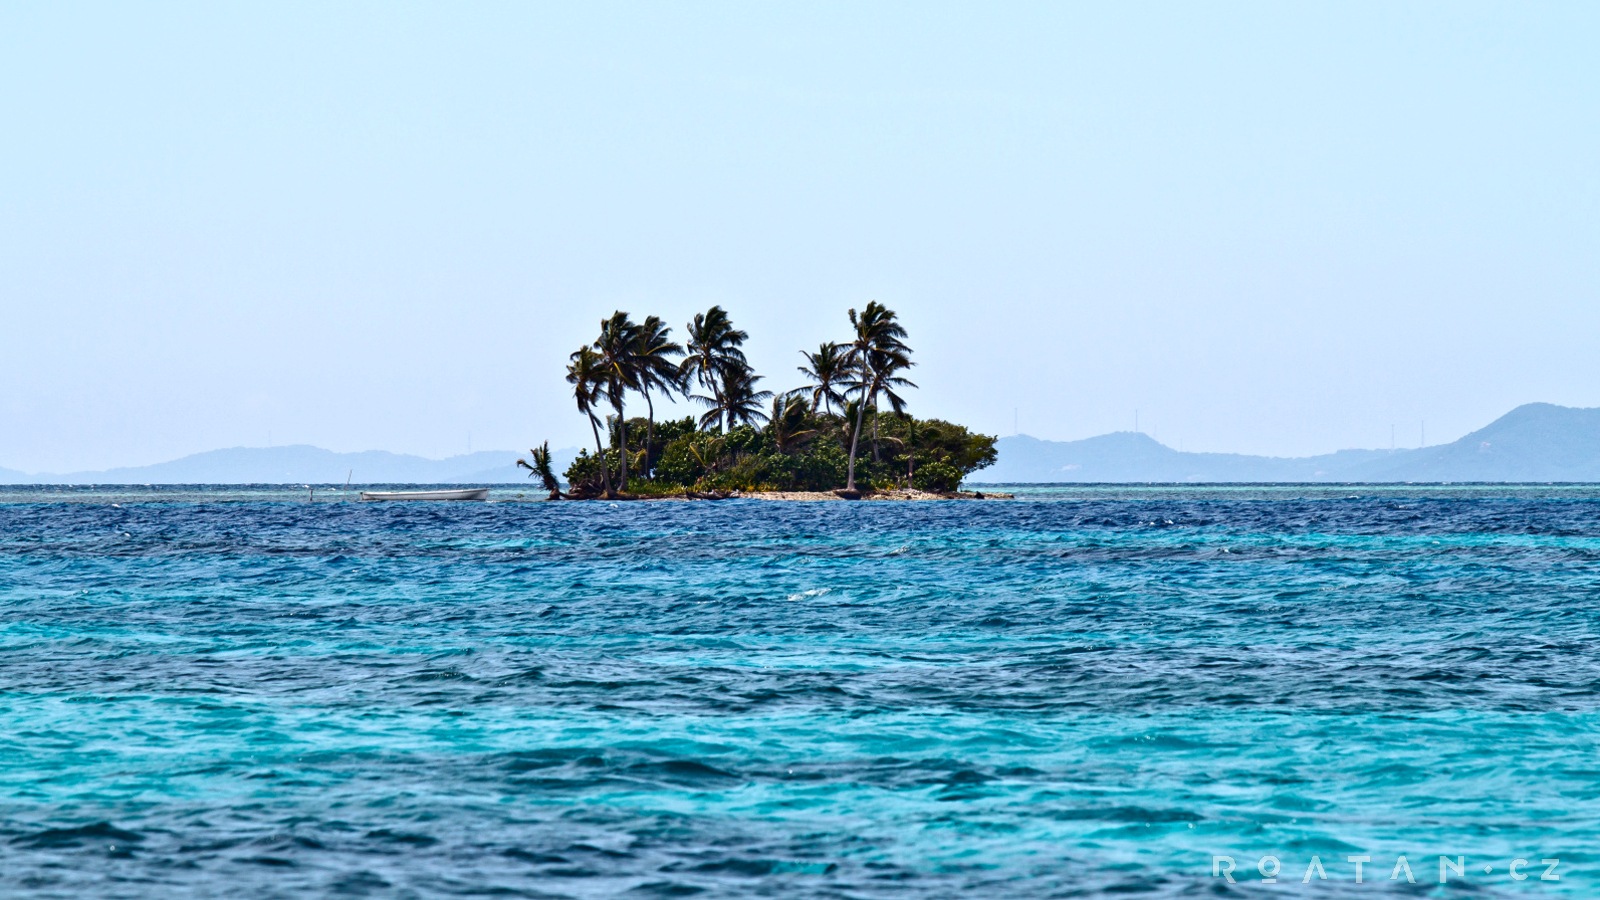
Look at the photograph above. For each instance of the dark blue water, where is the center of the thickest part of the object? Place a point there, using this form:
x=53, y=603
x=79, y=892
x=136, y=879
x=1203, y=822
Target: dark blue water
x=1089, y=693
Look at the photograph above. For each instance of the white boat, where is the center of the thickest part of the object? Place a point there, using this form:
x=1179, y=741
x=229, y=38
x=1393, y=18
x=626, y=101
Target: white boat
x=461, y=494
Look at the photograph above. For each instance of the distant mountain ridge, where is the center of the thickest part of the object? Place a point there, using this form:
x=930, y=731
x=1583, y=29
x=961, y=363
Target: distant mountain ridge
x=1534, y=442
x=303, y=464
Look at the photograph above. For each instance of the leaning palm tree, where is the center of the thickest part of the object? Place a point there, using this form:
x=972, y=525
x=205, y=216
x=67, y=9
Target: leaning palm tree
x=541, y=468
x=655, y=368
x=878, y=353
x=618, y=349
x=826, y=367
x=713, y=347
x=588, y=381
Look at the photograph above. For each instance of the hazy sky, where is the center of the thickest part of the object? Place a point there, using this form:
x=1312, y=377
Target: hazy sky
x=1276, y=227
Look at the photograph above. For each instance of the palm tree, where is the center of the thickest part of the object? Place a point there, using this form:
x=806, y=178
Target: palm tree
x=588, y=381
x=877, y=354
x=706, y=449
x=827, y=368
x=735, y=399
x=618, y=348
x=712, y=417
x=889, y=369
x=741, y=402
x=788, y=421
x=847, y=420
x=541, y=467
x=713, y=346
x=654, y=368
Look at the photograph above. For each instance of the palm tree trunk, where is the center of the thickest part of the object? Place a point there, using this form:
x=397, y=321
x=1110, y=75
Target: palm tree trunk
x=622, y=433
x=605, y=470
x=911, y=451
x=650, y=432
x=855, y=438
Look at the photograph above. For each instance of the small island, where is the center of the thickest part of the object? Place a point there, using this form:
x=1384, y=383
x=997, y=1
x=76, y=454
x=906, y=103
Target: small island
x=844, y=434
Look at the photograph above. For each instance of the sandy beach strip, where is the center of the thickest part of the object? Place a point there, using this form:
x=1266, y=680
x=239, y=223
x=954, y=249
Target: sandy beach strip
x=903, y=494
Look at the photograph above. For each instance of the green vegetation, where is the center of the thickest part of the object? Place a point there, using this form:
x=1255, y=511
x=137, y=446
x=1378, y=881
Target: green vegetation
x=750, y=439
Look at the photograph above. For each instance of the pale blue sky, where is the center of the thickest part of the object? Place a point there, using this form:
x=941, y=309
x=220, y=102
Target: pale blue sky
x=1269, y=227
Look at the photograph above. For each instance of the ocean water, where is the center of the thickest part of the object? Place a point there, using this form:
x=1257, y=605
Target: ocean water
x=1084, y=692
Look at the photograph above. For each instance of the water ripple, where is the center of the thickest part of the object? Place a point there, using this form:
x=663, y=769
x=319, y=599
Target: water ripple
x=226, y=693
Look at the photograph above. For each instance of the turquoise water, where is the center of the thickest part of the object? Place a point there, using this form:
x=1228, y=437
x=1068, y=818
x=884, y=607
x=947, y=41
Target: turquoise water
x=1088, y=691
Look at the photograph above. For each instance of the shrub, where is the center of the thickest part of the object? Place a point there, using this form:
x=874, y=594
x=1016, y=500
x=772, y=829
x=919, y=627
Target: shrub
x=820, y=468
x=689, y=458
x=583, y=476
x=814, y=457
x=937, y=476
x=640, y=487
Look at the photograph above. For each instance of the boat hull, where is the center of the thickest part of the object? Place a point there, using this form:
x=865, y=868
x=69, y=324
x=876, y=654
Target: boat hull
x=465, y=494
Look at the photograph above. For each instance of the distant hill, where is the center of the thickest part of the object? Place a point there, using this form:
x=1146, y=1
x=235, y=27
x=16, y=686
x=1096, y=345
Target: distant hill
x=1127, y=456
x=302, y=464
x=1534, y=442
